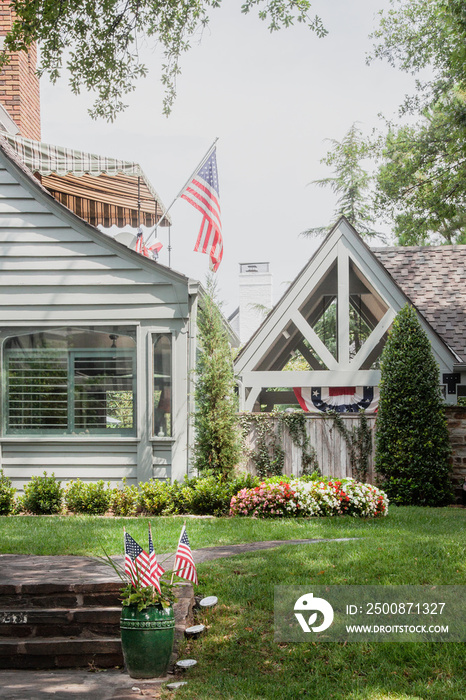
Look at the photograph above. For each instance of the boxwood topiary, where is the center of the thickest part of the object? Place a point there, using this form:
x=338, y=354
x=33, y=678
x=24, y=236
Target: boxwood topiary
x=7, y=495
x=412, y=441
x=43, y=495
x=124, y=500
x=91, y=498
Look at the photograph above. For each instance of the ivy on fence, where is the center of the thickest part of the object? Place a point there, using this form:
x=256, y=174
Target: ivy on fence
x=359, y=443
x=269, y=455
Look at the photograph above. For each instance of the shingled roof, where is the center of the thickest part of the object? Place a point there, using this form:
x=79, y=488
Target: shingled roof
x=434, y=279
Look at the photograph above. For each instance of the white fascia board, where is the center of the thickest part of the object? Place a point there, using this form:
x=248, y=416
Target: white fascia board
x=296, y=295
x=370, y=377
x=392, y=295
x=7, y=121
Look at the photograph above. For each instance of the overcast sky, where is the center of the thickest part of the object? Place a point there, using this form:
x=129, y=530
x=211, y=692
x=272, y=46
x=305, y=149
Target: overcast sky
x=272, y=99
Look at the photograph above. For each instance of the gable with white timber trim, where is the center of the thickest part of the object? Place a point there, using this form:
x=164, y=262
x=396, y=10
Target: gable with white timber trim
x=345, y=254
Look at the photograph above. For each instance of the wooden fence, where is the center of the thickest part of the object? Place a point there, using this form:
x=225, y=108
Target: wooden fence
x=330, y=446
x=333, y=453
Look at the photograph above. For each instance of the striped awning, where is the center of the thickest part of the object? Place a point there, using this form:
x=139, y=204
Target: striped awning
x=101, y=190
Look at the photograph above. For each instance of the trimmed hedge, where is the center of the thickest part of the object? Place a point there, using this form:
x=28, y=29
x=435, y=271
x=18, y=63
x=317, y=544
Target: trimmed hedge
x=206, y=495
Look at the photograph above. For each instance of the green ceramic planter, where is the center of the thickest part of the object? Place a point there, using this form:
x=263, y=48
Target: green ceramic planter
x=147, y=640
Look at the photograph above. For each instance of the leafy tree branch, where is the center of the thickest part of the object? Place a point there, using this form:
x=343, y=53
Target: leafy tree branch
x=97, y=40
x=421, y=180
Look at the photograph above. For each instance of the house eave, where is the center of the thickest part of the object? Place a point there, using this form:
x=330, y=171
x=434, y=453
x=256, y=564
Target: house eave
x=39, y=192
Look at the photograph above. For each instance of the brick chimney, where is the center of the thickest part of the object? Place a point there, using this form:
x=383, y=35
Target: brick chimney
x=19, y=83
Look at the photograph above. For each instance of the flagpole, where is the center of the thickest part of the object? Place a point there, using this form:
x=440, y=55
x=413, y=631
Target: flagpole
x=198, y=167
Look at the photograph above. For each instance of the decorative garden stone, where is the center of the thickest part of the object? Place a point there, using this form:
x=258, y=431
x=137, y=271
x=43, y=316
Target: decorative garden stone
x=209, y=602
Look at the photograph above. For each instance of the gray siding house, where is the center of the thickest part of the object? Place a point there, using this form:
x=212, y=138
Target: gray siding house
x=97, y=343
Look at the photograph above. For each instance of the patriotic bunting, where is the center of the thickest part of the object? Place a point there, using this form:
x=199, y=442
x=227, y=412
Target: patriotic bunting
x=342, y=399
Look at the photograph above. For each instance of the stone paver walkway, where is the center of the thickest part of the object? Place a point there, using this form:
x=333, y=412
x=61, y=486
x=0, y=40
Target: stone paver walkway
x=76, y=684
x=21, y=569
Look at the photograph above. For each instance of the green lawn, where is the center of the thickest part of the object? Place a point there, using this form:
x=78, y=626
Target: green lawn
x=238, y=657
x=432, y=529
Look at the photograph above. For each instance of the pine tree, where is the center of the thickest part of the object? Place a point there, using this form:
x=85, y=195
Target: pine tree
x=412, y=441
x=350, y=182
x=217, y=444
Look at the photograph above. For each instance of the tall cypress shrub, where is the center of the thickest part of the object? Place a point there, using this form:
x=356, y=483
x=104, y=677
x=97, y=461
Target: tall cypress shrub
x=412, y=441
x=217, y=439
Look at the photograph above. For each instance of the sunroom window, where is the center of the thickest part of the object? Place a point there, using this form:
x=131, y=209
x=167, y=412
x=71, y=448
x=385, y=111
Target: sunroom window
x=162, y=352
x=70, y=382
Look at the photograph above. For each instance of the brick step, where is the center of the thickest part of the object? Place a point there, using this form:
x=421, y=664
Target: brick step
x=60, y=622
x=60, y=652
x=44, y=626
x=51, y=595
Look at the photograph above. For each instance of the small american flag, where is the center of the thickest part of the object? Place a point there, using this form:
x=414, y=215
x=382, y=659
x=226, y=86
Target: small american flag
x=203, y=193
x=184, y=563
x=156, y=569
x=137, y=562
x=149, y=252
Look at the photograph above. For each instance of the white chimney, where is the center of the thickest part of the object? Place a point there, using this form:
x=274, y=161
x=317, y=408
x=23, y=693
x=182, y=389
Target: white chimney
x=255, y=297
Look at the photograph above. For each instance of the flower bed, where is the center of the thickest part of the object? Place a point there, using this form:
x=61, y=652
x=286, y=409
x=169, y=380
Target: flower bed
x=310, y=498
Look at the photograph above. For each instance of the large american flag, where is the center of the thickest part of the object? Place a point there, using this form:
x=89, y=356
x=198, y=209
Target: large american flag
x=156, y=569
x=184, y=566
x=203, y=193
x=137, y=562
